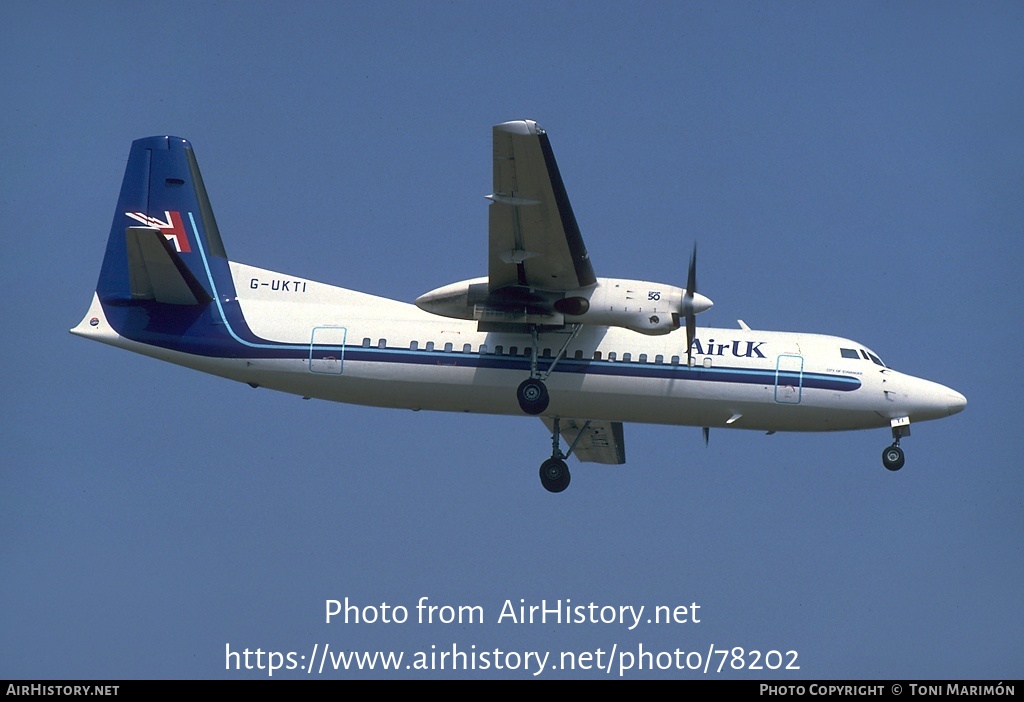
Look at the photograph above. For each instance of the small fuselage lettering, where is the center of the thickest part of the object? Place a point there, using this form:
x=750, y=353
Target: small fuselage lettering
x=278, y=285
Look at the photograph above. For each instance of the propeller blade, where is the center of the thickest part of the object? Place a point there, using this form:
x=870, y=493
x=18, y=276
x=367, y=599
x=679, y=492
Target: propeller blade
x=691, y=277
x=691, y=317
x=691, y=331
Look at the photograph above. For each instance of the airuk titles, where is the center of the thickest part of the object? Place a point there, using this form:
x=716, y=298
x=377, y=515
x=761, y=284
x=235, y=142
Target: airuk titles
x=739, y=349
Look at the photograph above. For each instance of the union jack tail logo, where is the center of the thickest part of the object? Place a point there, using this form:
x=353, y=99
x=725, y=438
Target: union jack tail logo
x=173, y=229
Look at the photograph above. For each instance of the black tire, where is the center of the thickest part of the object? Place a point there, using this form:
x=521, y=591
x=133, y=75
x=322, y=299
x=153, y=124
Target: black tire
x=533, y=396
x=893, y=458
x=554, y=475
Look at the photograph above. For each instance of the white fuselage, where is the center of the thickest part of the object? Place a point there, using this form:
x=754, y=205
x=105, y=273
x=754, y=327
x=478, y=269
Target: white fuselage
x=392, y=354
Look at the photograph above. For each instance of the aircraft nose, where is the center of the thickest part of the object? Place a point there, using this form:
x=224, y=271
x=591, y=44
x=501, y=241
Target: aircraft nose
x=929, y=400
x=956, y=401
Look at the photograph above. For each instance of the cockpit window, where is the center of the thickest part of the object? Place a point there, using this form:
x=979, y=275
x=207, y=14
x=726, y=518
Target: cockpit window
x=861, y=353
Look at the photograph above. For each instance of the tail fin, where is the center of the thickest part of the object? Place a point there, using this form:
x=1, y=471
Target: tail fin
x=164, y=243
x=164, y=260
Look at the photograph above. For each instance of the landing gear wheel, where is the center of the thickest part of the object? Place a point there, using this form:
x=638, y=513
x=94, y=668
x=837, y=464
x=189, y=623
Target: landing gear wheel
x=554, y=475
x=892, y=457
x=533, y=396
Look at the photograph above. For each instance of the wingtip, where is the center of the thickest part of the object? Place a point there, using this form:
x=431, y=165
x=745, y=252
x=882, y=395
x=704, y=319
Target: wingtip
x=519, y=126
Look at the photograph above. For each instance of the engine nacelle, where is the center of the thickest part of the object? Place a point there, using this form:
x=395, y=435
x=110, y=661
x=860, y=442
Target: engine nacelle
x=645, y=307
x=471, y=299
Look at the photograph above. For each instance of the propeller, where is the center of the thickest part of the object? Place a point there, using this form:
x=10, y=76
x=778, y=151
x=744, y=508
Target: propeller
x=692, y=304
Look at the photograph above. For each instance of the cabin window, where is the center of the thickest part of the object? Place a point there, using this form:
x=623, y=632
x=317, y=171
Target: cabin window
x=578, y=354
x=366, y=342
x=430, y=346
x=597, y=355
x=611, y=355
x=546, y=353
x=513, y=350
x=499, y=349
x=707, y=361
x=849, y=353
x=448, y=347
x=483, y=348
x=382, y=343
x=675, y=360
x=626, y=357
x=659, y=358
x=643, y=358
x=413, y=345
x=467, y=348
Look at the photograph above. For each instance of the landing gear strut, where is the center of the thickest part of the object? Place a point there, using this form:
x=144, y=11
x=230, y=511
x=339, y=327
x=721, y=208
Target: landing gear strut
x=532, y=392
x=554, y=473
x=892, y=457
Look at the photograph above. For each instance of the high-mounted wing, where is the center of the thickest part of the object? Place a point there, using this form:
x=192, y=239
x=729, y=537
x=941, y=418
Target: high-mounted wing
x=534, y=239
x=539, y=275
x=602, y=442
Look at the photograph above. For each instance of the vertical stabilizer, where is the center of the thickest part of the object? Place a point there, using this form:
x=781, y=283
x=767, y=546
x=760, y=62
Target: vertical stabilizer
x=165, y=279
x=164, y=236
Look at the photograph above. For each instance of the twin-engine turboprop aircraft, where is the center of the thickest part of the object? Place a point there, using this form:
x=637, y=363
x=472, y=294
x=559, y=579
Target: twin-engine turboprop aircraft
x=540, y=335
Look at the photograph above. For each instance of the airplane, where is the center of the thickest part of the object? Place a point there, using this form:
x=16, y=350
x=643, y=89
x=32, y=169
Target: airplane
x=540, y=335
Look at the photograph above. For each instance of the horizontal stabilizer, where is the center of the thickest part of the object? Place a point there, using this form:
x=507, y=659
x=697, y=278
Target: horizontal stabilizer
x=156, y=272
x=602, y=442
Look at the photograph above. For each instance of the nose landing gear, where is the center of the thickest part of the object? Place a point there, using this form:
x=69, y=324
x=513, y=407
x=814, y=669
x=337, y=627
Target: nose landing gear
x=892, y=457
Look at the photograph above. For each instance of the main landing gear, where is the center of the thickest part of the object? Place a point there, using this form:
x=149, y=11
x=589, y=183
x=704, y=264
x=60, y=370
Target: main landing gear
x=532, y=393
x=554, y=473
x=892, y=456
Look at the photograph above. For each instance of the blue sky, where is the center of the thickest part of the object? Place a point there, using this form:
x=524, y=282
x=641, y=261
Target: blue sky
x=845, y=168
